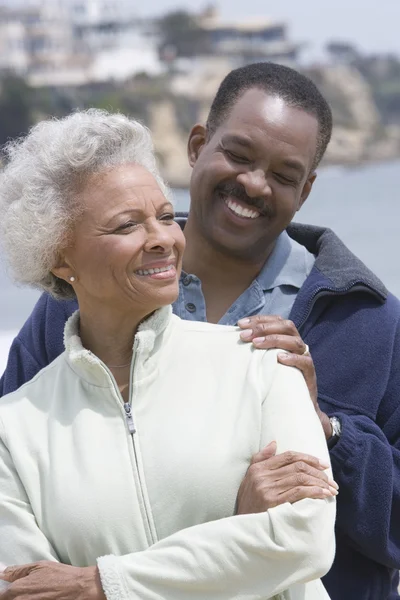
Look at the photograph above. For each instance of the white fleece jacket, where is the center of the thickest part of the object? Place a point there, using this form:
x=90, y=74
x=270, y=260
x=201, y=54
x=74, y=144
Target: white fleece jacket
x=155, y=507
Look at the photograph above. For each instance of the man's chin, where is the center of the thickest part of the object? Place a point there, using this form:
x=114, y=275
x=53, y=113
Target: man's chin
x=232, y=249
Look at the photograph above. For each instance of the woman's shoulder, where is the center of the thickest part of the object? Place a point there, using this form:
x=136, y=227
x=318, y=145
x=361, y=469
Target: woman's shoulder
x=205, y=328
x=220, y=341
x=200, y=334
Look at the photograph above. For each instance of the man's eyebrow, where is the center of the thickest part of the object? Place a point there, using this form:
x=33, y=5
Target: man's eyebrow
x=237, y=139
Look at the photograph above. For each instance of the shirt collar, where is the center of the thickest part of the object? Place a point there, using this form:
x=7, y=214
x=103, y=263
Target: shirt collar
x=290, y=263
x=287, y=265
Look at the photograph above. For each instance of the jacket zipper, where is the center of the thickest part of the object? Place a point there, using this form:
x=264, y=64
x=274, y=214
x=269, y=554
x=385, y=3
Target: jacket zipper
x=128, y=405
x=129, y=418
x=132, y=430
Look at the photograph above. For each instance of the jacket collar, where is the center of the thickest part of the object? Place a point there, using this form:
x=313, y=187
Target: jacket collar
x=340, y=268
x=88, y=366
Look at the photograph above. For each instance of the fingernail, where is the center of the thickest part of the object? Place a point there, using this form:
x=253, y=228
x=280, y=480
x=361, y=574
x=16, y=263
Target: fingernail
x=243, y=322
x=246, y=334
x=324, y=464
x=333, y=484
x=333, y=491
x=273, y=443
x=283, y=355
x=259, y=340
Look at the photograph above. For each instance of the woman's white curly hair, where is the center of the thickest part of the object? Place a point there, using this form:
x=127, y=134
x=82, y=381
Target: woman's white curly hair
x=43, y=172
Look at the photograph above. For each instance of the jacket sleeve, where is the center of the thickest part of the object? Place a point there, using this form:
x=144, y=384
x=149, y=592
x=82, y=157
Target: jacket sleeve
x=366, y=466
x=21, y=540
x=248, y=556
x=38, y=343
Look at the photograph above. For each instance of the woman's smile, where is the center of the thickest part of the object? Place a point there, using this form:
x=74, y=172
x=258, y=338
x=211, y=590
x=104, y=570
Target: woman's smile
x=161, y=270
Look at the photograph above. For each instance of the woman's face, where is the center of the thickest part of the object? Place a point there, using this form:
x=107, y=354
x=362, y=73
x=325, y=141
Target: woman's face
x=127, y=249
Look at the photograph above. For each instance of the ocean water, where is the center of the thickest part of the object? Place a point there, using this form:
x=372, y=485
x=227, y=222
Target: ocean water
x=361, y=205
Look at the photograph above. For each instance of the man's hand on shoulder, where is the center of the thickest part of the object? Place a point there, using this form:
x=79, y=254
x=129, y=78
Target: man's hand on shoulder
x=271, y=331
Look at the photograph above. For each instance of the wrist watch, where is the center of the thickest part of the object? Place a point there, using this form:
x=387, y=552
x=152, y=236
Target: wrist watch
x=336, y=431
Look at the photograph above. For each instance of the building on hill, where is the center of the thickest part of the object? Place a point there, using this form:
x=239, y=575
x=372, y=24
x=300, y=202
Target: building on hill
x=72, y=42
x=252, y=40
x=34, y=39
x=101, y=24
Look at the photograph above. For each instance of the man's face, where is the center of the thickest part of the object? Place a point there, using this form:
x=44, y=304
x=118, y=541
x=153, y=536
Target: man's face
x=252, y=175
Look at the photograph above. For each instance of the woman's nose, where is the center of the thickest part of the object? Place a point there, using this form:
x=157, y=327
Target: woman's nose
x=159, y=237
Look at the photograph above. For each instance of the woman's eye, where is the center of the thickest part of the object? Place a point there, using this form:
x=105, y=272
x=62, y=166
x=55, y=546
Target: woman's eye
x=167, y=217
x=126, y=226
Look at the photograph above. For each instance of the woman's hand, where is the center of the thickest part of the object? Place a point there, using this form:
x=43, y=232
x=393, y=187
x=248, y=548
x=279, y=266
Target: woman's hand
x=52, y=581
x=271, y=331
x=289, y=477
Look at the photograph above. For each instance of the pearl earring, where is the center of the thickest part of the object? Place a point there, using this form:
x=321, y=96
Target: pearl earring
x=72, y=279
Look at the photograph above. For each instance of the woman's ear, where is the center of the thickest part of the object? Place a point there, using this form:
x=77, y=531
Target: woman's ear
x=197, y=139
x=63, y=270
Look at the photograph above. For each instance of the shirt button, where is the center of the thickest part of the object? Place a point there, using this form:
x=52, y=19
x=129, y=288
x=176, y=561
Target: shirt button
x=187, y=280
x=191, y=307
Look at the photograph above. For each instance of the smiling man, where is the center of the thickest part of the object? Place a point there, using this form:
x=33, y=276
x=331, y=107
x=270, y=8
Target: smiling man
x=253, y=168
x=252, y=171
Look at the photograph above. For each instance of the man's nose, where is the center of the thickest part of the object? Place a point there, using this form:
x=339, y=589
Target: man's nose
x=255, y=183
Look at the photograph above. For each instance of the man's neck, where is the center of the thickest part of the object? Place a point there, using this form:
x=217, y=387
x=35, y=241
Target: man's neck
x=223, y=278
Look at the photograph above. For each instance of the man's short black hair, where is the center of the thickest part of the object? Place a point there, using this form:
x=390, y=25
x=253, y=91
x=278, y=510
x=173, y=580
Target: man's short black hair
x=278, y=80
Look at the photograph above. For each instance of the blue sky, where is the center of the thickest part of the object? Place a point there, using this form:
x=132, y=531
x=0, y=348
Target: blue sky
x=374, y=25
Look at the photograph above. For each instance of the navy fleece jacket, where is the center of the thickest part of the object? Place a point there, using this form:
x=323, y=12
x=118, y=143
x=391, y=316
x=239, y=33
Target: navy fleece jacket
x=352, y=325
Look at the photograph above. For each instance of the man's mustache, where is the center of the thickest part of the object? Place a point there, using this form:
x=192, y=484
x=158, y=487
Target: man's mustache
x=237, y=191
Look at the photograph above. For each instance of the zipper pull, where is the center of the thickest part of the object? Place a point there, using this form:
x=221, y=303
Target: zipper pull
x=129, y=418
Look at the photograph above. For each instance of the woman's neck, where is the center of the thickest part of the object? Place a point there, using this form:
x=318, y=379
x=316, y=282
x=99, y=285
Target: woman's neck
x=109, y=334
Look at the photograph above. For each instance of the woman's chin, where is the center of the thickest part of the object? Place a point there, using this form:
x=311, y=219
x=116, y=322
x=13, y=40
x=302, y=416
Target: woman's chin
x=163, y=297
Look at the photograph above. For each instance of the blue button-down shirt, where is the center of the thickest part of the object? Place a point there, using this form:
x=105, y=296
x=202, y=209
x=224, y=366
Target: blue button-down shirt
x=272, y=292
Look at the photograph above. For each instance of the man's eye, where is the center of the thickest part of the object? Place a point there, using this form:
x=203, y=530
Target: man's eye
x=236, y=157
x=285, y=179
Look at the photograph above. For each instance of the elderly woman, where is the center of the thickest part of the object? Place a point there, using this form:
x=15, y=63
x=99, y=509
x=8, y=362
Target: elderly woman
x=120, y=461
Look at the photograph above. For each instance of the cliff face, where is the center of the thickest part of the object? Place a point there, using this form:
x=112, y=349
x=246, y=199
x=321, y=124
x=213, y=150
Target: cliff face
x=170, y=143
x=197, y=90
x=365, y=99
x=359, y=134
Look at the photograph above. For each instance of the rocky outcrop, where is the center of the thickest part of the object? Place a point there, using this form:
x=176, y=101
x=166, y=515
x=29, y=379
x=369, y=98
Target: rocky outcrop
x=170, y=143
x=358, y=133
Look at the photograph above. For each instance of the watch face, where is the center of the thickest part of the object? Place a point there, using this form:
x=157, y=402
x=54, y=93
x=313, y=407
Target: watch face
x=336, y=431
x=336, y=426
